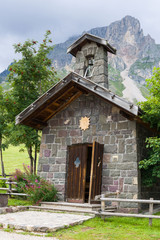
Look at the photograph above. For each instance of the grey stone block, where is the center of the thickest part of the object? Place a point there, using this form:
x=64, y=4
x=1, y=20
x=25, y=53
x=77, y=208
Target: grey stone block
x=126, y=166
x=132, y=157
x=114, y=173
x=112, y=141
x=122, y=125
x=107, y=140
x=128, y=180
x=62, y=167
x=106, y=127
x=61, y=154
x=121, y=146
x=46, y=130
x=107, y=180
x=102, y=119
x=43, y=175
x=54, y=168
x=132, y=173
x=105, y=172
x=59, y=175
x=51, y=160
x=54, y=150
x=129, y=148
x=43, y=160
x=133, y=188
x=49, y=138
x=111, y=165
x=45, y=167
x=110, y=148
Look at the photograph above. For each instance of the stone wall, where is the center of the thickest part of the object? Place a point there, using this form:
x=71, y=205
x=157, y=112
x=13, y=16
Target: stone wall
x=108, y=127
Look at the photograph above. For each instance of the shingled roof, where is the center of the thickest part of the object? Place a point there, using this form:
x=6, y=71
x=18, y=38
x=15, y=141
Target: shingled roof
x=66, y=91
x=77, y=45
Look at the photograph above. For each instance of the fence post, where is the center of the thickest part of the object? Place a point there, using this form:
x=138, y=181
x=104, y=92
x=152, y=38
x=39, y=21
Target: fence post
x=150, y=212
x=103, y=205
x=10, y=187
x=118, y=203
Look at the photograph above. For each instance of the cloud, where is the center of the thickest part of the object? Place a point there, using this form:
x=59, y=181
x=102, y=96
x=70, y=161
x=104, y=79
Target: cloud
x=21, y=20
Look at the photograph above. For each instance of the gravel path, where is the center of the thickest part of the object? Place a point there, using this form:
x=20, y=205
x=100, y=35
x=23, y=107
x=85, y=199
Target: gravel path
x=15, y=236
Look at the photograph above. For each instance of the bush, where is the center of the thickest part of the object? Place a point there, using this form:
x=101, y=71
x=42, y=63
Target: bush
x=37, y=188
x=3, y=184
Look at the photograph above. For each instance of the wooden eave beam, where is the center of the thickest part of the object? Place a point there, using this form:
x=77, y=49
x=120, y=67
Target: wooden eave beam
x=78, y=94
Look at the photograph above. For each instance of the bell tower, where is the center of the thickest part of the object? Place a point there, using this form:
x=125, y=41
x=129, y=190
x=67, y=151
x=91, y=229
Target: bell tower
x=91, y=53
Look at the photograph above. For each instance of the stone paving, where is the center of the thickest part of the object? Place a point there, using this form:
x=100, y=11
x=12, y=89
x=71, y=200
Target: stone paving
x=36, y=221
x=16, y=236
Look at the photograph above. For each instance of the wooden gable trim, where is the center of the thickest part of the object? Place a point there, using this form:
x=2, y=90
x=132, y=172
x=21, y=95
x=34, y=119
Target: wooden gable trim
x=63, y=93
x=78, y=44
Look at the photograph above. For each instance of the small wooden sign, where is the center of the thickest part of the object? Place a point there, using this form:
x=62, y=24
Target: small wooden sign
x=84, y=123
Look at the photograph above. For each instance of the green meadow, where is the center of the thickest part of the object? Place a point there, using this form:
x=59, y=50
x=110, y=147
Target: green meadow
x=14, y=158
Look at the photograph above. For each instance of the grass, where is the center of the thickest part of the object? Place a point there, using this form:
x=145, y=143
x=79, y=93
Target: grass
x=111, y=228
x=18, y=202
x=13, y=159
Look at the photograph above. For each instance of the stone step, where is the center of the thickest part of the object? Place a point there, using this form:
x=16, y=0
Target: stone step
x=72, y=206
x=51, y=209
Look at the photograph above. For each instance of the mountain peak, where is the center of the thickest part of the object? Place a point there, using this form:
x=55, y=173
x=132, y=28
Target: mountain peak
x=127, y=26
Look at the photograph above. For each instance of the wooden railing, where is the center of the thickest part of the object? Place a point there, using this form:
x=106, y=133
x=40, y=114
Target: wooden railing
x=10, y=190
x=150, y=216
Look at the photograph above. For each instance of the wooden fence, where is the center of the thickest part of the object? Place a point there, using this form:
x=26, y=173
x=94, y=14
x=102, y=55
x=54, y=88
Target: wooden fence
x=150, y=216
x=10, y=190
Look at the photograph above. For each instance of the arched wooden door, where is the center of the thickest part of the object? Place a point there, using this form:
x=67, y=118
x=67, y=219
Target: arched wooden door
x=77, y=169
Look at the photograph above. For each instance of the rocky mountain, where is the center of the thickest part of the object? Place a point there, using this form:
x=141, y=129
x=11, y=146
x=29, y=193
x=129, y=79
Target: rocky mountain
x=136, y=56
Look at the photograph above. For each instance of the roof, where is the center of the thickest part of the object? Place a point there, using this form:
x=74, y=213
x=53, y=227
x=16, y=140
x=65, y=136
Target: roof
x=63, y=93
x=77, y=45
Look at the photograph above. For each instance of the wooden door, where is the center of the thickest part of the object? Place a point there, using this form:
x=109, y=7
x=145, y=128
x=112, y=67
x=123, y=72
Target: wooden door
x=96, y=171
x=76, y=179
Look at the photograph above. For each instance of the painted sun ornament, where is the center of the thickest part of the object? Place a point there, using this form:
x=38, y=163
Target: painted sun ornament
x=84, y=123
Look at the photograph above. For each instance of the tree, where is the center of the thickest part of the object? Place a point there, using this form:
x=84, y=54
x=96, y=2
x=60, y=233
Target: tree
x=151, y=166
x=3, y=126
x=29, y=77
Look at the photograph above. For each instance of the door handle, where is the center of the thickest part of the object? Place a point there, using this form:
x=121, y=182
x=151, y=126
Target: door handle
x=99, y=163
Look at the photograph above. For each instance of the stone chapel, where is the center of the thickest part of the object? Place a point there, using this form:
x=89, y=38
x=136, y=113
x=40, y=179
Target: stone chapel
x=92, y=139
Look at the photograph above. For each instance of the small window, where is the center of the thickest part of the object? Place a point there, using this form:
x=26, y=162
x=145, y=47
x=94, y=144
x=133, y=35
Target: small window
x=77, y=162
x=89, y=67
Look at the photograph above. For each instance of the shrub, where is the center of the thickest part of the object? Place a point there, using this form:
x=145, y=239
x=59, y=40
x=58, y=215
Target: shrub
x=3, y=184
x=37, y=188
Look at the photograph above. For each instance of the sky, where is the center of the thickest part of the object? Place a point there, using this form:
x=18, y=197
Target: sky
x=29, y=19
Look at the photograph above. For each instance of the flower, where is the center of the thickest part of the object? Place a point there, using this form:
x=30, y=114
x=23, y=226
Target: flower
x=36, y=180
